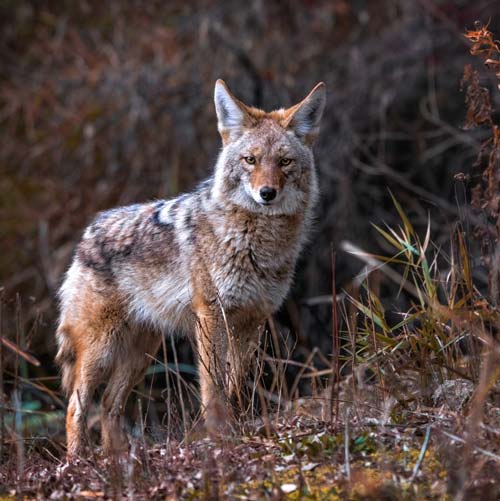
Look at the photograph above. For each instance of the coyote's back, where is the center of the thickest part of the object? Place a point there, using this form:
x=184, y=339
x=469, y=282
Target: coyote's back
x=215, y=262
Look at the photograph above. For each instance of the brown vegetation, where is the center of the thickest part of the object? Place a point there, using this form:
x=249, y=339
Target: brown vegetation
x=108, y=104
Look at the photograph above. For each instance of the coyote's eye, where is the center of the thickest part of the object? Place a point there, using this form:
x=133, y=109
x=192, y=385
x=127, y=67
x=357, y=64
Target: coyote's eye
x=285, y=161
x=249, y=160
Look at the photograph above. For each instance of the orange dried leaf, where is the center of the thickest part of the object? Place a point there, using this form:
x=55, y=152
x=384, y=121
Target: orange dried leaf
x=477, y=99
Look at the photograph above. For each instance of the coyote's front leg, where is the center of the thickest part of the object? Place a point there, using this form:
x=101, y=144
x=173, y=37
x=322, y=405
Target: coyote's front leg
x=225, y=351
x=212, y=360
x=243, y=341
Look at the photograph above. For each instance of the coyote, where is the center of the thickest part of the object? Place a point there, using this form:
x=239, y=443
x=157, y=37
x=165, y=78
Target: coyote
x=215, y=262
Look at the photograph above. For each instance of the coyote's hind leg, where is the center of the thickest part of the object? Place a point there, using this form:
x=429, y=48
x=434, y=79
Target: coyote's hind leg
x=87, y=378
x=127, y=372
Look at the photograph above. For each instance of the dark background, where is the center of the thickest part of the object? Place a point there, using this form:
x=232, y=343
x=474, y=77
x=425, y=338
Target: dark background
x=110, y=103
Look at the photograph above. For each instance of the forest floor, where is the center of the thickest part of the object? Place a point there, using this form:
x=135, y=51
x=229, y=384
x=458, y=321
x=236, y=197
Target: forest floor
x=429, y=453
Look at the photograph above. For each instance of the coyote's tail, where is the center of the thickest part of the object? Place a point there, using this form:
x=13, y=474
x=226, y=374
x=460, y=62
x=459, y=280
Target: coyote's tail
x=65, y=358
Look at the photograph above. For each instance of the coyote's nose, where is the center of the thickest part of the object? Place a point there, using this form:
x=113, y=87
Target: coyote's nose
x=267, y=193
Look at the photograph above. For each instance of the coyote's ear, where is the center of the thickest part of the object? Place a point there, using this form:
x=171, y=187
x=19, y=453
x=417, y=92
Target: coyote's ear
x=305, y=116
x=231, y=113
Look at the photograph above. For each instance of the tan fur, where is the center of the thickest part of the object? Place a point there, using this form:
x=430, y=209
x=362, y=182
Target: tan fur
x=215, y=263
x=267, y=175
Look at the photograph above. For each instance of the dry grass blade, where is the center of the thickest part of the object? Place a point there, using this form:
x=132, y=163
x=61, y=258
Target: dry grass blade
x=421, y=455
x=375, y=264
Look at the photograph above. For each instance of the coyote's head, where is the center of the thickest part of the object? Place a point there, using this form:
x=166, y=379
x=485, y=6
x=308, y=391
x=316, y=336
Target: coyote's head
x=266, y=164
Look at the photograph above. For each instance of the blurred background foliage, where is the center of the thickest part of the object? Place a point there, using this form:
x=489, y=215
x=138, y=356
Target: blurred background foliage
x=110, y=103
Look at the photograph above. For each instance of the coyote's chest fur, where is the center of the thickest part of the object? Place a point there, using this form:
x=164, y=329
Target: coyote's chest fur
x=254, y=259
